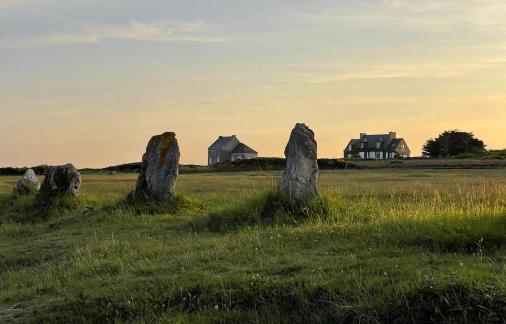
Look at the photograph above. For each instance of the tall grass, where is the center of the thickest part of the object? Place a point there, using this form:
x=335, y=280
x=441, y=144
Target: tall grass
x=271, y=207
x=376, y=247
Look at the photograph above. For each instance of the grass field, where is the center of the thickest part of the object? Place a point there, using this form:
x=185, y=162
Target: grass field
x=398, y=246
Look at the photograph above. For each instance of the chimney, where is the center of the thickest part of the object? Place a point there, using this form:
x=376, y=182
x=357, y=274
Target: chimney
x=393, y=135
x=362, y=135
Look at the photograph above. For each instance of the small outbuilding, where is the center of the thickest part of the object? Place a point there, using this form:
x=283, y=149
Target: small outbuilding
x=229, y=148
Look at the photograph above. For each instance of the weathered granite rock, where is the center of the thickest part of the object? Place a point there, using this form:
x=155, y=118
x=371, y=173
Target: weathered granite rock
x=159, y=169
x=27, y=184
x=300, y=177
x=61, y=180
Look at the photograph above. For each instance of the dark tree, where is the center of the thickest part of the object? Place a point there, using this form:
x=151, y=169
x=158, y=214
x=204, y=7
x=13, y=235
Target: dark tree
x=452, y=143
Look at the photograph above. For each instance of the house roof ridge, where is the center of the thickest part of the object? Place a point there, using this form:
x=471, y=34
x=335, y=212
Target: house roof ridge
x=221, y=141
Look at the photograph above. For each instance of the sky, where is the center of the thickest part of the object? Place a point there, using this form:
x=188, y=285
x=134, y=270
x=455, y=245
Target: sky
x=90, y=81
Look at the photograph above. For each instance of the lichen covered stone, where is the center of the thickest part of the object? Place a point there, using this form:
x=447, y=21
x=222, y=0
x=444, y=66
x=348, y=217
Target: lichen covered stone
x=61, y=180
x=159, y=169
x=27, y=184
x=300, y=177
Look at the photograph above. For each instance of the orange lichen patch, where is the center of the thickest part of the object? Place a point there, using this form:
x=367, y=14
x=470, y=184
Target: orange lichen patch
x=167, y=139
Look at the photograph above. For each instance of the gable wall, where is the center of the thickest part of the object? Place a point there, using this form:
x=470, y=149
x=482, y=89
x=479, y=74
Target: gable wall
x=217, y=156
x=223, y=155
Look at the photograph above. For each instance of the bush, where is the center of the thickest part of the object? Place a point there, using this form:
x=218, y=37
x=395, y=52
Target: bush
x=466, y=156
x=39, y=170
x=492, y=157
x=275, y=164
x=453, y=143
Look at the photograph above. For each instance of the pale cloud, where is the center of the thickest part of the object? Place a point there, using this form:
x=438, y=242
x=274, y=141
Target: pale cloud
x=330, y=73
x=158, y=31
x=20, y=4
x=485, y=15
x=425, y=15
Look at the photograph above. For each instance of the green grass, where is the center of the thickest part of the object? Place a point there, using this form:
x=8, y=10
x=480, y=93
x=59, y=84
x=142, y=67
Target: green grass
x=271, y=208
x=377, y=246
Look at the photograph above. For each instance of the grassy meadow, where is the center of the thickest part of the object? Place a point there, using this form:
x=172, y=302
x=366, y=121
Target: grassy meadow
x=393, y=246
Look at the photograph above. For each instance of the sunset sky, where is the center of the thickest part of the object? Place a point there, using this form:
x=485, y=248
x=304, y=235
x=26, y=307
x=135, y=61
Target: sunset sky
x=90, y=81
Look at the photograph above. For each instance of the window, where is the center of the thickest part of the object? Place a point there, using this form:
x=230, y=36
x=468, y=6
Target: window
x=350, y=148
x=378, y=145
x=362, y=145
x=378, y=155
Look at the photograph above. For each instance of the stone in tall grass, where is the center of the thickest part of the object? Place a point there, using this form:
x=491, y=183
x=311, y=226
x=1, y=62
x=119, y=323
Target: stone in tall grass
x=300, y=177
x=27, y=184
x=60, y=181
x=159, y=169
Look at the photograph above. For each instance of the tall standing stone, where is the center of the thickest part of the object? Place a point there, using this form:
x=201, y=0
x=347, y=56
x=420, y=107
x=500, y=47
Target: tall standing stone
x=159, y=169
x=27, y=184
x=300, y=177
x=61, y=180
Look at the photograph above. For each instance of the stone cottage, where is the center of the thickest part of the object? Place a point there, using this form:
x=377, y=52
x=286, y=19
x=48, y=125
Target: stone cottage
x=382, y=146
x=229, y=148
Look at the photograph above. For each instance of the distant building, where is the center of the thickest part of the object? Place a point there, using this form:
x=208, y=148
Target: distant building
x=383, y=146
x=229, y=148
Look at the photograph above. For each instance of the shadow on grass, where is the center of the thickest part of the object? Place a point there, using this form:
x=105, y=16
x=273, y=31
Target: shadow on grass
x=472, y=235
x=138, y=207
x=478, y=235
x=296, y=301
x=270, y=208
x=33, y=208
x=452, y=303
x=127, y=208
x=64, y=210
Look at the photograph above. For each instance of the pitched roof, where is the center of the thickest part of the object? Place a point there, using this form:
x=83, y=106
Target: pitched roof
x=388, y=143
x=371, y=140
x=395, y=143
x=221, y=142
x=243, y=148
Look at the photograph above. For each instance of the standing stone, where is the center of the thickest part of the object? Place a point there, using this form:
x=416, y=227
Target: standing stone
x=27, y=184
x=159, y=169
x=300, y=177
x=61, y=180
